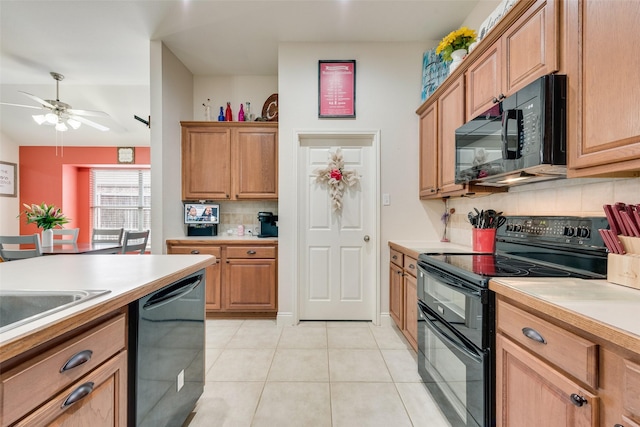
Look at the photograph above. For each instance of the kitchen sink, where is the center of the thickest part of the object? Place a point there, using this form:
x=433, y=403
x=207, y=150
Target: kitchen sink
x=23, y=306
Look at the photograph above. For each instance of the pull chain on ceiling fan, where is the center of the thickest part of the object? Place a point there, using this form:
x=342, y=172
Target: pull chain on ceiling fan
x=60, y=114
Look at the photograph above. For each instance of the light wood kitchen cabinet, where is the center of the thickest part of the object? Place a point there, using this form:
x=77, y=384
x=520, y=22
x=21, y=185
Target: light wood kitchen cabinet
x=429, y=151
x=556, y=368
x=243, y=281
x=213, y=273
x=403, y=294
x=450, y=117
x=396, y=298
x=410, y=328
x=531, y=393
x=528, y=49
x=603, y=134
x=229, y=161
x=250, y=279
x=81, y=380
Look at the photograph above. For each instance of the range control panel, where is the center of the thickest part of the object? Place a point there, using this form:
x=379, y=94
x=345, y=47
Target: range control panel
x=557, y=229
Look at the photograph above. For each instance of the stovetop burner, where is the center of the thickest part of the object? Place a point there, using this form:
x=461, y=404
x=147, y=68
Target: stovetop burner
x=482, y=267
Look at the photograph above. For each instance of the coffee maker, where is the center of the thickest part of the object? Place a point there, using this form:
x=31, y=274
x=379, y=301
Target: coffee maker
x=268, y=224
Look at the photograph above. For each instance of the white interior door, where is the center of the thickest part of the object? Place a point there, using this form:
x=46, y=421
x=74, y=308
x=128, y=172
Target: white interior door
x=337, y=258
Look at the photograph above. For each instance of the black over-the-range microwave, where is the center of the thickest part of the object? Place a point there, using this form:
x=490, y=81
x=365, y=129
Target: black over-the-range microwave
x=519, y=140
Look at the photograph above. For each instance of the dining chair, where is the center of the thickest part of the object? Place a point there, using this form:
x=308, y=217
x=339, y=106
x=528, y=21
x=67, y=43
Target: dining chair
x=15, y=252
x=107, y=235
x=65, y=235
x=135, y=241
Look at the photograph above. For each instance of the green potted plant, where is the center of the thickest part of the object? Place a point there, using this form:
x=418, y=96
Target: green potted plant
x=46, y=217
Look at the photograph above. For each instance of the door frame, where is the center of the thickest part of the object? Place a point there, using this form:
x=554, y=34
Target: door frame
x=305, y=138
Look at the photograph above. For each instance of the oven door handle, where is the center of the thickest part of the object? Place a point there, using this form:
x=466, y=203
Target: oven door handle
x=449, y=280
x=459, y=344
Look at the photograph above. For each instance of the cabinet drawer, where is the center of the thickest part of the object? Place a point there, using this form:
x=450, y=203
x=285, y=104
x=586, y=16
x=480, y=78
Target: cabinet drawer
x=631, y=388
x=196, y=250
x=251, y=252
x=575, y=355
x=396, y=257
x=410, y=265
x=35, y=381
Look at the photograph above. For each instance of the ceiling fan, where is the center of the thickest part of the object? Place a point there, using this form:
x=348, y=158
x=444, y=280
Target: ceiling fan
x=60, y=114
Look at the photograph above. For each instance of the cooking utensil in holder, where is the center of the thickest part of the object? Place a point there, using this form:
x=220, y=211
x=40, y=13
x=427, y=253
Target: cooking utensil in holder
x=625, y=269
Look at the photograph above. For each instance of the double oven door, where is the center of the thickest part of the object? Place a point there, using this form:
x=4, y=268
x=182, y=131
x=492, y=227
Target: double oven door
x=455, y=336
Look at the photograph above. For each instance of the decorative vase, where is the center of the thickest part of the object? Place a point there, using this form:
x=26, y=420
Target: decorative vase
x=47, y=237
x=457, y=56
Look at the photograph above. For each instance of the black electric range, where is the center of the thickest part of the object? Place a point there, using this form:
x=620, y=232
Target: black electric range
x=456, y=310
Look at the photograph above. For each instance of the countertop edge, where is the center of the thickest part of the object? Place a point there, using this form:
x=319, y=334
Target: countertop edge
x=18, y=344
x=604, y=331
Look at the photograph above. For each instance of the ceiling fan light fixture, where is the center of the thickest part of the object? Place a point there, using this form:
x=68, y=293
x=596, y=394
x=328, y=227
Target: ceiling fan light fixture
x=74, y=123
x=51, y=118
x=61, y=127
x=39, y=118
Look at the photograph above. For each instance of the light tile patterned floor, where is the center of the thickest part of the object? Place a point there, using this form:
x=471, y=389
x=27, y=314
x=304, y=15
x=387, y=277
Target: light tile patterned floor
x=313, y=374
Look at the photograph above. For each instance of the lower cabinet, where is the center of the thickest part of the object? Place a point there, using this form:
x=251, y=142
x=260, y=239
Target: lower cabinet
x=553, y=373
x=243, y=281
x=75, y=381
x=403, y=294
x=532, y=393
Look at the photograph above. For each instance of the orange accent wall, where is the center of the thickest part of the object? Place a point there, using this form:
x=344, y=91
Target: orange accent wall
x=62, y=179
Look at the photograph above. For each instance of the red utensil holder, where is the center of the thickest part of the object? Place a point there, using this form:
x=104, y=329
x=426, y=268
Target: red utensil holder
x=484, y=240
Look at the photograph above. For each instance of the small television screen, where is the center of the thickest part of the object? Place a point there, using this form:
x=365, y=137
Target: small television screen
x=195, y=213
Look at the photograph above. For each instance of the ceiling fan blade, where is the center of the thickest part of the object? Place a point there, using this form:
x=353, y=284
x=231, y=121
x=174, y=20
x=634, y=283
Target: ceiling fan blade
x=39, y=100
x=88, y=113
x=89, y=123
x=22, y=105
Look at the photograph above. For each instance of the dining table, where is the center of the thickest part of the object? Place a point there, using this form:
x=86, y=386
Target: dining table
x=82, y=248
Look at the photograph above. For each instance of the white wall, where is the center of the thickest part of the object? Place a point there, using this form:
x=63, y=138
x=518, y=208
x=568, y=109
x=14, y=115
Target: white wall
x=171, y=102
x=9, y=206
x=388, y=78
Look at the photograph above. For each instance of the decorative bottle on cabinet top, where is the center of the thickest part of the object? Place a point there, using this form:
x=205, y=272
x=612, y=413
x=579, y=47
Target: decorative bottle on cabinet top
x=228, y=115
x=241, y=114
x=221, y=116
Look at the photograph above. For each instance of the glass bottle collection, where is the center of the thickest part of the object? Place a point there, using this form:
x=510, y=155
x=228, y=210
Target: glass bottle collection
x=226, y=115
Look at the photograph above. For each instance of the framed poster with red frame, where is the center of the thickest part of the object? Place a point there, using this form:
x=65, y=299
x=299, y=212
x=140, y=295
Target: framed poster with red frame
x=337, y=89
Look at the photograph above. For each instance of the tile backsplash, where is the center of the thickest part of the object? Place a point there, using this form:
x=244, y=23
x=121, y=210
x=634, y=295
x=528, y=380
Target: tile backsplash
x=572, y=197
x=235, y=213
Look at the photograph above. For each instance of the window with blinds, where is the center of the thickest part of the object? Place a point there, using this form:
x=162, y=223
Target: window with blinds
x=121, y=198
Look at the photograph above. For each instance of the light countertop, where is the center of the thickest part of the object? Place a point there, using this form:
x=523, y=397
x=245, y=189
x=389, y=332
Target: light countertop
x=597, y=306
x=127, y=277
x=417, y=247
x=223, y=238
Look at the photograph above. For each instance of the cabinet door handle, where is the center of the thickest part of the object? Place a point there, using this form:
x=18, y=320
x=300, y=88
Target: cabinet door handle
x=501, y=97
x=226, y=195
x=618, y=425
x=578, y=400
x=251, y=252
x=394, y=257
x=78, y=394
x=195, y=252
x=412, y=267
x=76, y=360
x=533, y=335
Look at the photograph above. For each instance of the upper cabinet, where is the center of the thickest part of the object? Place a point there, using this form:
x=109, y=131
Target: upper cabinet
x=528, y=49
x=602, y=61
x=438, y=123
x=229, y=161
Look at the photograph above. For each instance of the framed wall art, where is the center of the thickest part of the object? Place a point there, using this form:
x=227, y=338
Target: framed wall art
x=337, y=89
x=8, y=179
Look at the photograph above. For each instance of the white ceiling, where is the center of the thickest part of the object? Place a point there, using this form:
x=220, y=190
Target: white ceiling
x=102, y=49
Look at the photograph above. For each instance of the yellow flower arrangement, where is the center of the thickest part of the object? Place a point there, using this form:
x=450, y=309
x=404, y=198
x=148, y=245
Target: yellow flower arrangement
x=459, y=39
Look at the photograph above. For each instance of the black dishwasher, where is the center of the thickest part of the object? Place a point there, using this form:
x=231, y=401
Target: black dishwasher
x=166, y=353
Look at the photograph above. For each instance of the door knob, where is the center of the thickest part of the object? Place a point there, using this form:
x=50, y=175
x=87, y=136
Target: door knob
x=366, y=238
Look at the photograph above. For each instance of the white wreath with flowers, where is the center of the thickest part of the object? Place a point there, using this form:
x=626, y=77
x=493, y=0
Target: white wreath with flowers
x=337, y=178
